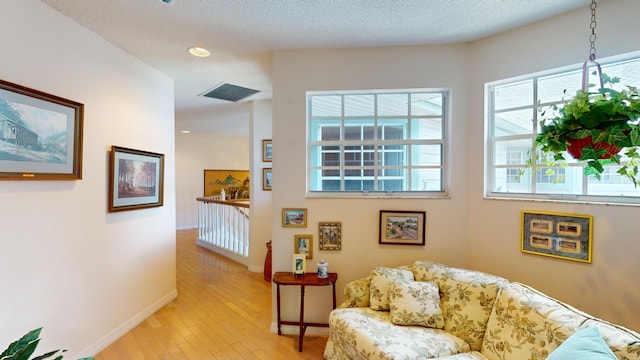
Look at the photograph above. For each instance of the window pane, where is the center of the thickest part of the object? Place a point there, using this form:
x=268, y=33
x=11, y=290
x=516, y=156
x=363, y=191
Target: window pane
x=318, y=127
x=358, y=129
x=393, y=105
x=426, y=180
x=552, y=88
x=426, y=155
x=516, y=122
x=612, y=184
x=392, y=129
x=359, y=105
x=426, y=128
x=514, y=95
x=426, y=104
x=326, y=106
x=391, y=185
x=507, y=152
x=393, y=155
x=509, y=180
x=328, y=133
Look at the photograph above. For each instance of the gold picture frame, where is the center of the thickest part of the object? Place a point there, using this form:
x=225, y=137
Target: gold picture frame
x=267, y=150
x=267, y=179
x=294, y=217
x=235, y=183
x=330, y=235
x=558, y=235
x=303, y=244
x=299, y=264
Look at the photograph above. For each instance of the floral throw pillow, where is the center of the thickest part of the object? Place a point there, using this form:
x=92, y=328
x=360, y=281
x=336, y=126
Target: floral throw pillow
x=380, y=280
x=415, y=303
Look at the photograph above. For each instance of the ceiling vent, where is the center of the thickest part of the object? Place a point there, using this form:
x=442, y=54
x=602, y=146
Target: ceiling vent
x=229, y=92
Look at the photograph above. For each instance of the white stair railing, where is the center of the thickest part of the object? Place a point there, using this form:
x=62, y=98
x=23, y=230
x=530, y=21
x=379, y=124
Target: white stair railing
x=223, y=227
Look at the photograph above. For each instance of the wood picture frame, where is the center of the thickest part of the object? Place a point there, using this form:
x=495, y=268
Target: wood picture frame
x=267, y=179
x=402, y=227
x=294, y=217
x=136, y=179
x=267, y=150
x=558, y=235
x=303, y=244
x=330, y=235
x=235, y=183
x=40, y=135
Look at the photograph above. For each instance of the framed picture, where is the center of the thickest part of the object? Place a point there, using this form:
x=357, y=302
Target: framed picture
x=267, y=150
x=330, y=236
x=299, y=264
x=40, y=135
x=235, y=183
x=294, y=217
x=563, y=236
x=136, y=179
x=267, y=179
x=303, y=244
x=402, y=227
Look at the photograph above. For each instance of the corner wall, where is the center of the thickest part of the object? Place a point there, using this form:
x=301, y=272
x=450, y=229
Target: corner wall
x=607, y=287
x=85, y=275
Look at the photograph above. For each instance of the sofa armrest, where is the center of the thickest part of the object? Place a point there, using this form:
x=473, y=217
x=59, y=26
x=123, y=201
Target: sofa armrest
x=356, y=293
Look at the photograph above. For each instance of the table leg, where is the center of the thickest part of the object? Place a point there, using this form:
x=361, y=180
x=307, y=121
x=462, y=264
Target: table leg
x=278, y=302
x=301, y=318
x=334, y=295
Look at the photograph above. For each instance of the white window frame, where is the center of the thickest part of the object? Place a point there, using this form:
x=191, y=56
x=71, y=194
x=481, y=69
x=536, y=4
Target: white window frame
x=443, y=142
x=490, y=141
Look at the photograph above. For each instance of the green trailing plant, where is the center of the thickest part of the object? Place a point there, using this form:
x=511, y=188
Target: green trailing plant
x=608, y=116
x=23, y=348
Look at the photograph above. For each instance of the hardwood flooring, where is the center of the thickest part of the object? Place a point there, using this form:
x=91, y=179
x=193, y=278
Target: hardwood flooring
x=223, y=311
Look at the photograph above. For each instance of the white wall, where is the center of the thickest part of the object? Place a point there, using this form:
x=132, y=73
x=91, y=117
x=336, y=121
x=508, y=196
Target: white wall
x=261, y=209
x=608, y=286
x=67, y=264
x=298, y=71
x=196, y=152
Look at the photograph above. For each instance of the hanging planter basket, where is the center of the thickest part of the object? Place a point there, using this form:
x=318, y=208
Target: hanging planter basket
x=575, y=146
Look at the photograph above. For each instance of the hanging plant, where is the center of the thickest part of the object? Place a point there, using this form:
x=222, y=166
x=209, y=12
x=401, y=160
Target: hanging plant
x=595, y=127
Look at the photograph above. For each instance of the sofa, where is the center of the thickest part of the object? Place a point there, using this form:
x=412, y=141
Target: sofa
x=428, y=310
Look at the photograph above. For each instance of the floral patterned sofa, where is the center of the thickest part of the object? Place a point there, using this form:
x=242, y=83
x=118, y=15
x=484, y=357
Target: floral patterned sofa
x=428, y=310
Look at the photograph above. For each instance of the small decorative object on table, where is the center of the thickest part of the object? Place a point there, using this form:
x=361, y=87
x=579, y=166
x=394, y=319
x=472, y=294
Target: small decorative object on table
x=299, y=264
x=323, y=269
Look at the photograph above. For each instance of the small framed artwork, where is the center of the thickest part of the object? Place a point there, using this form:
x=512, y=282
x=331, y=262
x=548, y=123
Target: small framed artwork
x=402, y=227
x=267, y=179
x=563, y=236
x=40, y=135
x=299, y=264
x=294, y=217
x=330, y=236
x=267, y=150
x=303, y=244
x=136, y=179
x=235, y=183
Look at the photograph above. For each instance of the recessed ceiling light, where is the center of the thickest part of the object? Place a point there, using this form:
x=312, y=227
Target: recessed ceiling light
x=199, y=51
x=185, y=131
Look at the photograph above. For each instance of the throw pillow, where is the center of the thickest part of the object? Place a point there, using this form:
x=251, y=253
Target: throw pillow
x=380, y=279
x=415, y=303
x=586, y=344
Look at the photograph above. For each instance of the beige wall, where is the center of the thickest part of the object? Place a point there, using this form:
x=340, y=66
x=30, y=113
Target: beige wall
x=465, y=230
x=85, y=275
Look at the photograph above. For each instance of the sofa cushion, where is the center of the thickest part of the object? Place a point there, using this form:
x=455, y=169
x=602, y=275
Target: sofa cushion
x=415, y=303
x=527, y=324
x=466, y=297
x=380, y=280
x=586, y=344
x=623, y=342
x=363, y=333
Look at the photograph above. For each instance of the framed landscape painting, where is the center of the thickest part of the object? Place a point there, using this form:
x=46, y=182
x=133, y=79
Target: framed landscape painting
x=40, y=135
x=136, y=179
x=236, y=183
x=402, y=227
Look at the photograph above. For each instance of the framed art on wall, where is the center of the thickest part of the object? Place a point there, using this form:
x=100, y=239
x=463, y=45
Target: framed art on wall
x=267, y=179
x=330, y=235
x=235, y=183
x=136, y=179
x=402, y=227
x=292, y=217
x=563, y=236
x=267, y=150
x=40, y=135
x=303, y=244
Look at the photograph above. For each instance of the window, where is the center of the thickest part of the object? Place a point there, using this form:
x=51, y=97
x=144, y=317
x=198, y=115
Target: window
x=386, y=143
x=514, y=107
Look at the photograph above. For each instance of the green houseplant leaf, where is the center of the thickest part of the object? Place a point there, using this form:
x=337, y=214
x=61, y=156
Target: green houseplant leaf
x=23, y=348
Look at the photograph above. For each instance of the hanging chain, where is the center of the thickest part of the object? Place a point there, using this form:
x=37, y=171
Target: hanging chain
x=592, y=38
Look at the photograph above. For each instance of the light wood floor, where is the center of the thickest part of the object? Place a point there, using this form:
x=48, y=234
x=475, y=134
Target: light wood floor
x=223, y=311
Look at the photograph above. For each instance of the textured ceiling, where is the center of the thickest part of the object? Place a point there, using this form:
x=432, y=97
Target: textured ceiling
x=242, y=33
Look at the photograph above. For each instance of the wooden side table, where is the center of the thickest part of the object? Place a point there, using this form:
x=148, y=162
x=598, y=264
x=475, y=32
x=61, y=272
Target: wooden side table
x=308, y=279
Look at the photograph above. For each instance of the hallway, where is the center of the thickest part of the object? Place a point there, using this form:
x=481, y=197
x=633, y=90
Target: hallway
x=223, y=311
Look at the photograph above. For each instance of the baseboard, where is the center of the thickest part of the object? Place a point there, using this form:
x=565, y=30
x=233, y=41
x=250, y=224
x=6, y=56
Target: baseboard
x=121, y=330
x=295, y=330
